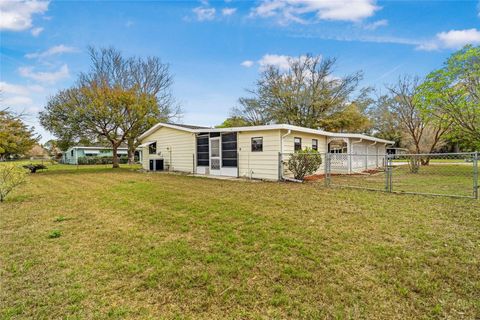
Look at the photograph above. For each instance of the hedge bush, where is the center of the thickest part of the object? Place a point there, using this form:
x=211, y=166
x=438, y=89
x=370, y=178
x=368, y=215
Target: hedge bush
x=304, y=162
x=100, y=160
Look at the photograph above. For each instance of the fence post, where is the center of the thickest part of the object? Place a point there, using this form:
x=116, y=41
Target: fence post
x=390, y=166
x=280, y=167
x=475, y=175
x=327, y=169
x=388, y=173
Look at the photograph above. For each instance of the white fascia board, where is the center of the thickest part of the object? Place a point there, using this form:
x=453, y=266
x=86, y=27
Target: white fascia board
x=167, y=125
x=296, y=128
x=359, y=136
x=267, y=127
x=146, y=144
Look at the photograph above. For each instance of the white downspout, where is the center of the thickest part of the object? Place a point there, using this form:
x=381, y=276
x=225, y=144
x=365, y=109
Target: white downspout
x=284, y=136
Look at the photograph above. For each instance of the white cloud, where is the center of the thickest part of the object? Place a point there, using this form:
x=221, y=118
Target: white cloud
x=28, y=72
x=459, y=38
x=228, y=11
x=247, y=63
x=19, y=89
x=36, y=31
x=453, y=39
x=375, y=25
x=297, y=10
x=55, y=50
x=280, y=61
x=17, y=101
x=204, y=14
x=17, y=15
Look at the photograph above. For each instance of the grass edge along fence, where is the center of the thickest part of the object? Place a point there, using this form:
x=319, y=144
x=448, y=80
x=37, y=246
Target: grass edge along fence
x=437, y=174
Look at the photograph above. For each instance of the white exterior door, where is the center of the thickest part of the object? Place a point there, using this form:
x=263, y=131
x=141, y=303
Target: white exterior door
x=215, y=152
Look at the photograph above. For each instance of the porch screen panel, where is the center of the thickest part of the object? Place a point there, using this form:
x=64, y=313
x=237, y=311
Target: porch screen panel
x=229, y=150
x=202, y=151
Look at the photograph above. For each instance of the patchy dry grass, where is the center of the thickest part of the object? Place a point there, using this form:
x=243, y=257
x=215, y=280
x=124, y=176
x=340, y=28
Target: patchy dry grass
x=148, y=246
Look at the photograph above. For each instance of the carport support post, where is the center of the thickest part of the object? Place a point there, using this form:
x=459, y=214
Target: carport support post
x=475, y=175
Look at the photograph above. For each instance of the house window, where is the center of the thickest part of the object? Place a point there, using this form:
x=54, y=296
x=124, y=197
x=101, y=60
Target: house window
x=71, y=153
x=315, y=144
x=257, y=144
x=152, y=148
x=297, y=144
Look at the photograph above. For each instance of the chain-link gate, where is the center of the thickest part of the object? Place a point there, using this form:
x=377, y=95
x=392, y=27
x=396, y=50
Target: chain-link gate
x=444, y=174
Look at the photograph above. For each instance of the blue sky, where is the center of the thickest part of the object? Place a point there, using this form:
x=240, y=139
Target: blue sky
x=216, y=48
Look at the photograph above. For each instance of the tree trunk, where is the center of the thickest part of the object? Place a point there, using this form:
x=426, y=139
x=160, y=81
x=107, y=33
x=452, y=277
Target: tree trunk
x=115, y=156
x=131, y=151
x=425, y=161
x=456, y=147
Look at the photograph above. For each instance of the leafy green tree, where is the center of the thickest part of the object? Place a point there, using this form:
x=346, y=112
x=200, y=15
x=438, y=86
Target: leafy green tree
x=233, y=121
x=305, y=95
x=454, y=91
x=385, y=123
x=16, y=138
x=97, y=110
x=351, y=119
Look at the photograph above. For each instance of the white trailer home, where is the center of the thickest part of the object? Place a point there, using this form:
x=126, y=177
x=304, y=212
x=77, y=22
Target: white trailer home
x=253, y=152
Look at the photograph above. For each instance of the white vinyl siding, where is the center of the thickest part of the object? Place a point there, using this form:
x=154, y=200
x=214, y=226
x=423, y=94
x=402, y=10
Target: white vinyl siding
x=259, y=164
x=366, y=155
x=288, y=143
x=307, y=138
x=175, y=147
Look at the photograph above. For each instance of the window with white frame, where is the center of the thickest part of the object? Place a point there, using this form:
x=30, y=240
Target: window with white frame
x=297, y=144
x=257, y=144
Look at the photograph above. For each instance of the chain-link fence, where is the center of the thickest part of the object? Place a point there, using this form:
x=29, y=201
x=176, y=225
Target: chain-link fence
x=446, y=174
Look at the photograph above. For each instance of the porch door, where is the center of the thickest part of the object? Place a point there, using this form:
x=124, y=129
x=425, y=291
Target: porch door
x=215, y=156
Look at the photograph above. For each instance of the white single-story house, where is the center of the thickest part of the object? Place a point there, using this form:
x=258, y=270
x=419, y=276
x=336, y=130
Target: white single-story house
x=72, y=155
x=254, y=151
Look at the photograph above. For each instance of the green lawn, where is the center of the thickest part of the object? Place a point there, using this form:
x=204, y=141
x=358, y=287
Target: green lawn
x=444, y=179
x=96, y=243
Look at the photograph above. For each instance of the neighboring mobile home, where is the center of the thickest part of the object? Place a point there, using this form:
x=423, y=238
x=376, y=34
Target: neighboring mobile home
x=252, y=152
x=72, y=155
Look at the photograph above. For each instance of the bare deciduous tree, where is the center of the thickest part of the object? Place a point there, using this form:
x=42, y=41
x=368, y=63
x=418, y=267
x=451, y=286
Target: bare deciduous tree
x=306, y=94
x=422, y=133
x=146, y=76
